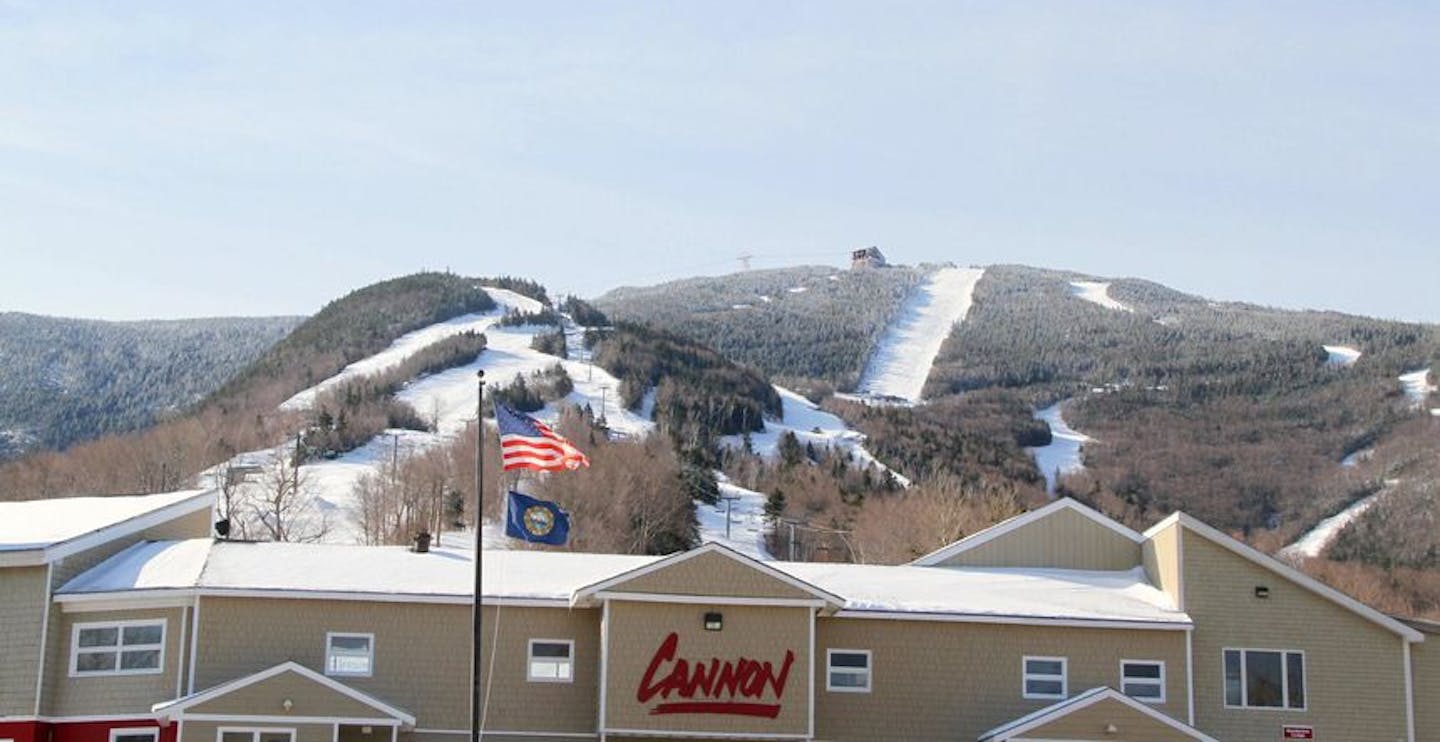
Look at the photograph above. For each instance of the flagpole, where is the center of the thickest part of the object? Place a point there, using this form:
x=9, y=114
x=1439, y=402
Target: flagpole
x=475, y=640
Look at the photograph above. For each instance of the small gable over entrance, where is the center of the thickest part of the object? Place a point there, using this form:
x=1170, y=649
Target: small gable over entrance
x=1098, y=715
x=286, y=690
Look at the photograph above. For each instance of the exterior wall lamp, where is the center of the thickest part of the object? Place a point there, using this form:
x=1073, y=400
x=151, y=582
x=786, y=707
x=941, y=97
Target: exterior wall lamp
x=714, y=621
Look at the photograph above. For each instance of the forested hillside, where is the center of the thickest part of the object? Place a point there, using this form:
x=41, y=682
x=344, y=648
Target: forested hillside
x=1228, y=411
x=811, y=327
x=1233, y=412
x=68, y=380
x=242, y=415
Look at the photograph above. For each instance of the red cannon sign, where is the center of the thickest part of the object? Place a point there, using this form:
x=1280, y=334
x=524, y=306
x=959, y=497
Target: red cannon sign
x=735, y=687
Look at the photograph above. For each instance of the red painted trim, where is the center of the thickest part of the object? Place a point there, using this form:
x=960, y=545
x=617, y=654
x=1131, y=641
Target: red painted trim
x=24, y=731
x=766, y=710
x=99, y=731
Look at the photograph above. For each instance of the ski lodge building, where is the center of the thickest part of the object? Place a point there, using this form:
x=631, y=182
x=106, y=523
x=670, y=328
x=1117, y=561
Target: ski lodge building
x=122, y=620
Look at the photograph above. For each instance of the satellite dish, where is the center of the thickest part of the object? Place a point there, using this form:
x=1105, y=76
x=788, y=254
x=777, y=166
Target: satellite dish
x=222, y=528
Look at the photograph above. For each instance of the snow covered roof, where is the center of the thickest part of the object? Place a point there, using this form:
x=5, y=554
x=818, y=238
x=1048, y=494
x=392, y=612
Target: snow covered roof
x=148, y=565
x=1001, y=594
x=334, y=571
x=83, y=522
x=393, y=573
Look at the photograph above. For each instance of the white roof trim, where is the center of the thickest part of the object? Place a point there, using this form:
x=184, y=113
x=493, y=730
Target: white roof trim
x=1064, y=708
x=1024, y=519
x=201, y=501
x=176, y=709
x=1294, y=575
x=996, y=618
x=588, y=591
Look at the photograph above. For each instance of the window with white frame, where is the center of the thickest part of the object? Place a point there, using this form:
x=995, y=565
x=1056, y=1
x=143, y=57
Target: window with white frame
x=551, y=661
x=254, y=734
x=1044, y=677
x=349, y=654
x=1143, y=680
x=118, y=648
x=847, y=670
x=1264, y=678
x=135, y=734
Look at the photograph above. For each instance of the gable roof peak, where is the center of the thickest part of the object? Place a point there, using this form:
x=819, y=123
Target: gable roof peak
x=987, y=535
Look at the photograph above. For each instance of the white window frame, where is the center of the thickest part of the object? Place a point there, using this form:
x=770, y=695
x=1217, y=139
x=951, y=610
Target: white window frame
x=1284, y=679
x=117, y=732
x=331, y=671
x=119, y=649
x=254, y=732
x=531, y=659
x=1144, y=681
x=1026, y=677
x=867, y=673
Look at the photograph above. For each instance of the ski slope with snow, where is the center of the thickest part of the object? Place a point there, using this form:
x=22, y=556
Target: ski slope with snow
x=747, y=528
x=1341, y=355
x=401, y=349
x=447, y=400
x=1097, y=292
x=902, y=360
x=1062, y=455
x=1318, y=539
x=1417, y=386
x=814, y=426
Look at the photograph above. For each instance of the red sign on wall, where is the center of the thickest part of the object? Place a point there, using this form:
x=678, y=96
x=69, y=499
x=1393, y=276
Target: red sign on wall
x=1290, y=731
x=712, y=686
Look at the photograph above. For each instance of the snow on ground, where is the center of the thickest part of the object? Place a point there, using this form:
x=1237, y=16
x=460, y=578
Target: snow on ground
x=747, y=520
x=1062, y=456
x=447, y=400
x=1357, y=458
x=1417, y=386
x=1097, y=292
x=1341, y=355
x=798, y=289
x=810, y=425
x=901, y=362
x=1318, y=539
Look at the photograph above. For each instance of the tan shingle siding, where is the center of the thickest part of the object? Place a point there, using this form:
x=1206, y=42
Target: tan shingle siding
x=711, y=574
x=22, y=614
x=111, y=694
x=518, y=705
x=1161, y=554
x=967, y=677
x=57, y=647
x=422, y=652
x=1425, y=668
x=1064, y=539
x=762, y=633
x=1353, y=667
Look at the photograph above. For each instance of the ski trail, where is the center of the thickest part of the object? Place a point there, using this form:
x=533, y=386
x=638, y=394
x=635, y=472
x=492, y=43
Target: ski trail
x=902, y=360
x=1098, y=292
x=1318, y=539
x=1062, y=456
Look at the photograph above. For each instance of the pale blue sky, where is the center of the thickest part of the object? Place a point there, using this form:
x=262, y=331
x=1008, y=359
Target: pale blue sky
x=167, y=160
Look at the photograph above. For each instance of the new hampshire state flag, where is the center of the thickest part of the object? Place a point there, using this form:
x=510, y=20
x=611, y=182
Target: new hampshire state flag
x=536, y=521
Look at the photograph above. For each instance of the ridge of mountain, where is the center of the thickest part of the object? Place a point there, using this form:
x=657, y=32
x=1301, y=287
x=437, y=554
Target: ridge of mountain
x=64, y=380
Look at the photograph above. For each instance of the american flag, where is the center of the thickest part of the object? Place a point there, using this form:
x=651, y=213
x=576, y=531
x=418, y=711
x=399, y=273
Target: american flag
x=527, y=443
